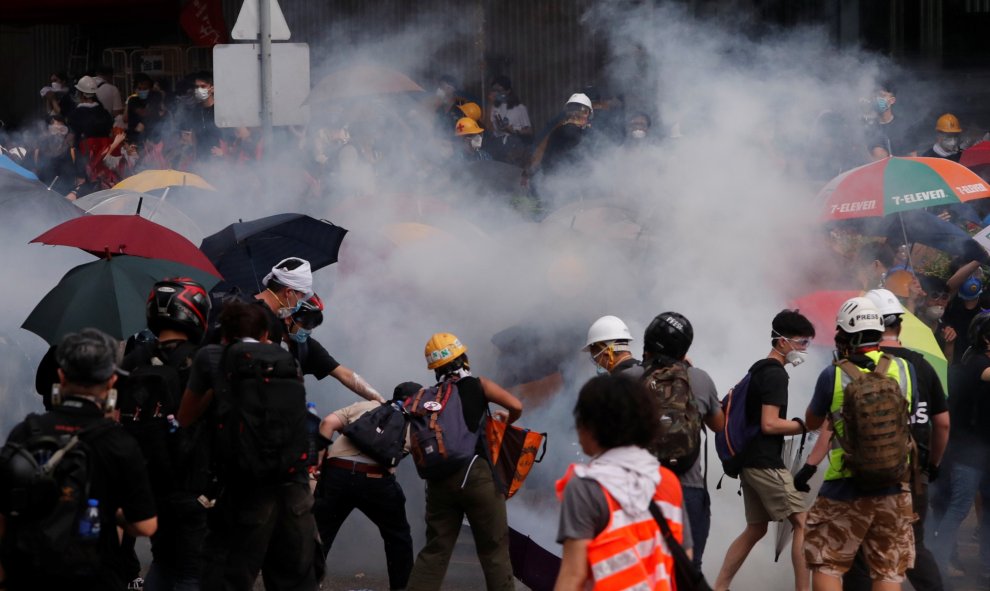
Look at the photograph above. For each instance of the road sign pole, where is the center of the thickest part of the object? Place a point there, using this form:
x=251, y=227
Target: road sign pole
x=265, y=45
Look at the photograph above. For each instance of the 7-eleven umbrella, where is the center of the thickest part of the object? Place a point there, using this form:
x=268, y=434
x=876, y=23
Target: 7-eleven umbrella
x=895, y=185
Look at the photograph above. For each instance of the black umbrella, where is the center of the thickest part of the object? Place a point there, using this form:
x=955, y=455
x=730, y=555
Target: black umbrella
x=108, y=294
x=921, y=227
x=246, y=251
x=29, y=207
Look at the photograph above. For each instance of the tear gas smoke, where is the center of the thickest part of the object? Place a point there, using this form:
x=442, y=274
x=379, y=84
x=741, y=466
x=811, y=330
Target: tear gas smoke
x=718, y=225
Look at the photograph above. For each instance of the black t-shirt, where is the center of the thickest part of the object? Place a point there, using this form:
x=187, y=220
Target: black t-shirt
x=767, y=386
x=895, y=137
x=958, y=317
x=90, y=122
x=969, y=411
x=928, y=398
x=562, y=147
x=119, y=480
x=473, y=401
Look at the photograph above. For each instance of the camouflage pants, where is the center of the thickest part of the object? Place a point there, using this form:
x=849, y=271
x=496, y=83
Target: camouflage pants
x=881, y=525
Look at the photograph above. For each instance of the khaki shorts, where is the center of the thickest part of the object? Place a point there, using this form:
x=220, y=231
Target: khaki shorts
x=769, y=495
x=880, y=525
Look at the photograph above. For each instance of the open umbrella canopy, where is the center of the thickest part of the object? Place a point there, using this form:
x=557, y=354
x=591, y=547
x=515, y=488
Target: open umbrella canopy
x=7, y=163
x=976, y=155
x=896, y=185
x=921, y=227
x=106, y=235
x=820, y=308
x=361, y=81
x=108, y=294
x=246, y=251
x=26, y=204
x=149, y=180
x=157, y=209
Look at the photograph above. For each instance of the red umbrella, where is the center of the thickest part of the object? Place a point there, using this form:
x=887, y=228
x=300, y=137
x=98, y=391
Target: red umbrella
x=820, y=308
x=976, y=155
x=106, y=235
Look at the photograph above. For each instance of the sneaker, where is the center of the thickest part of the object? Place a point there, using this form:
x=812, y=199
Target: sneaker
x=136, y=585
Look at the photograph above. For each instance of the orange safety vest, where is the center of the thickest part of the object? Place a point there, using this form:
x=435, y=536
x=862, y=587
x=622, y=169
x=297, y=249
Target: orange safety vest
x=630, y=553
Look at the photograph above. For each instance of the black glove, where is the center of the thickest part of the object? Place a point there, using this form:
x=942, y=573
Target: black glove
x=803, y=476
x=932, y=472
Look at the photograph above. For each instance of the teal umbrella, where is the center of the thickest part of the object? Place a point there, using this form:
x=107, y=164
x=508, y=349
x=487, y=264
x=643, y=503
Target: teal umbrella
x=108, y=294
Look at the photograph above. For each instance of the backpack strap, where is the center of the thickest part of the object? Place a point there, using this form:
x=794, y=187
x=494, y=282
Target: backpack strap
x=883, y=365
x=851, y=369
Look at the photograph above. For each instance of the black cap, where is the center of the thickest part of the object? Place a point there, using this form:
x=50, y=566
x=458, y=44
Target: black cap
x=405, y=390
x=88, y=357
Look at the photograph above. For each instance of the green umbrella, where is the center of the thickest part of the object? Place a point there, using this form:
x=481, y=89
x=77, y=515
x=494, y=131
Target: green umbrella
x=108, y=294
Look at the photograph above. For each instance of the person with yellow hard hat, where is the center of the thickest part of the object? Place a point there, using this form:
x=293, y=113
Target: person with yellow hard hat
x=470, y=133
x=472, y=110
x=470, y=490
x=947, y=136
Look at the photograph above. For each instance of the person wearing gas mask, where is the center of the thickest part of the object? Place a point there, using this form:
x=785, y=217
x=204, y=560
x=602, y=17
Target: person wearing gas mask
x=293, y=311
x=53, y=156
x=888, y=135
x=471, y=137
x=964, y=289
x=948, y=133
x=508, y=121
x=768, y=487
x=117, y=487
x=638, y=131
x=608, y=344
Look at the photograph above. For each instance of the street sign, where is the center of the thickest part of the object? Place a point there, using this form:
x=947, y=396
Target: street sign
x=237, y=78
x=246, y=27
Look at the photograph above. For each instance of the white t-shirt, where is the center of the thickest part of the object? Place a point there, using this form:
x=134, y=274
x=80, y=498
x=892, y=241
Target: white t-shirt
x=517, y=117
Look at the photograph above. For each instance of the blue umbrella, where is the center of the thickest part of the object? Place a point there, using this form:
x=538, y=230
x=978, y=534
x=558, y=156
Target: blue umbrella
x=246, y=251
x=7, y=163
x=921, y=227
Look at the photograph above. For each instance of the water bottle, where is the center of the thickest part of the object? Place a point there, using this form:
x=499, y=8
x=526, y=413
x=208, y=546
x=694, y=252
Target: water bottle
x=89, y=524
x=173, y=424
x=312, y=430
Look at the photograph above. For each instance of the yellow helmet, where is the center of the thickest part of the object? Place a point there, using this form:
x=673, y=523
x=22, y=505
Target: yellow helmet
x=948, y=123
x=471, y=110
x=467, y=126
x=442, y=348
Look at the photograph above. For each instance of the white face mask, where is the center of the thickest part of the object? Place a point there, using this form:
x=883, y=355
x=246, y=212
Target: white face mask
x=796, y=358
x=638, y=134
x=57, y=87
x=201, y=94
x=934, y=312
x=476, y=142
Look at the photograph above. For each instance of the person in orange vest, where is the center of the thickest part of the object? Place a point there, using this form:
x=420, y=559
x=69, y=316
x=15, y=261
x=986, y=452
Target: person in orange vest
x=605, y=519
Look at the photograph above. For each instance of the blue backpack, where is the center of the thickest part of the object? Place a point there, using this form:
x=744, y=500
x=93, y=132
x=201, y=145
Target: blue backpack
x=731, y=442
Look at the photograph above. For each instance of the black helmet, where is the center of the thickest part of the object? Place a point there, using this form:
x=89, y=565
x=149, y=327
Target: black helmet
x=670, y=334
x=178, y=303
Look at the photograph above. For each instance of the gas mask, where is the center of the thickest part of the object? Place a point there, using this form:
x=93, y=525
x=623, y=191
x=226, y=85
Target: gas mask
x=949, y=144
x=476, y=141
x=934, y=313
x=638, y=134
x=201, y=94
x=796, y=358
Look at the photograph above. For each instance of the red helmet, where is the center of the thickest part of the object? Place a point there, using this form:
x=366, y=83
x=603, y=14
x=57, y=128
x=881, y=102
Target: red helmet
x=178, y=303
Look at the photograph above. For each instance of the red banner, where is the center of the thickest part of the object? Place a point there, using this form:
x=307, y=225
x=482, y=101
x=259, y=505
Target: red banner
x=202, y=20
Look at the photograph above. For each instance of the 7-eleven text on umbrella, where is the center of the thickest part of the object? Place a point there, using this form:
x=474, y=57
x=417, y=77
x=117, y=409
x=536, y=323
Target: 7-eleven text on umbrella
x=854, y=206
x=968, y=189
x=935, y=195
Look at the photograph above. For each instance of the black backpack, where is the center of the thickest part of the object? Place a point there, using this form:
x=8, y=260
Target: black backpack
x=261, y=415
x=44, y=488
x=380, y=434
x=146, y=398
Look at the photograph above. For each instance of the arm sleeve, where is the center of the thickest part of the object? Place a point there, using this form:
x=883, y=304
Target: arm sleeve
x=928, y=378
x=137, y=501
x=821, y=400
x=584, y=512
x=704, y=391
x=774, y=387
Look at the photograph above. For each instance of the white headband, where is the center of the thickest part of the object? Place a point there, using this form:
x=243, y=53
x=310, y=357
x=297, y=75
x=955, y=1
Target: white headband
x=299, y=279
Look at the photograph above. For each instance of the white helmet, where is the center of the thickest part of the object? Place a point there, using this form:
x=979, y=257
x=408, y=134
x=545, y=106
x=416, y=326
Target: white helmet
x=885, y=301
x=607, y=328
x=858, y=315
x=581, y=99
x=86, y=85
